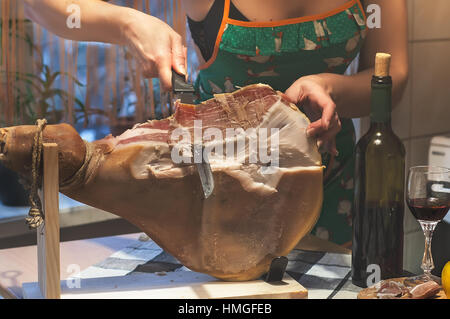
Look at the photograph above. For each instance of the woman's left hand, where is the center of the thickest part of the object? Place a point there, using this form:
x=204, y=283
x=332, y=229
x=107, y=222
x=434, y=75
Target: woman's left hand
x=313, y=95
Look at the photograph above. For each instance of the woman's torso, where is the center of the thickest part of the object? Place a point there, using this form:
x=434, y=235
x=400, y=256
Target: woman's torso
x=207, y=13
x=269, y=10
x=240, y=51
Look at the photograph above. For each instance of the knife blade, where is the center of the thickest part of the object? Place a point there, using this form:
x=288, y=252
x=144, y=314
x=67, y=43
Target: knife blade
x=186, y=93
x=204, y=170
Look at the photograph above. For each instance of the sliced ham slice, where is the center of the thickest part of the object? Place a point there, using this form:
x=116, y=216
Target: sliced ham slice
x=402, y=288
x=425, y=290
x=253, y=215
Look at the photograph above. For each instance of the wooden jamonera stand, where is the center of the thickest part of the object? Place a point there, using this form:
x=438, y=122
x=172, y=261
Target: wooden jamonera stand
x=48, y=232
x=183, y=284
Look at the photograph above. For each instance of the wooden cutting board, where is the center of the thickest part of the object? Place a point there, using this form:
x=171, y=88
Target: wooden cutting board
x=370, y=293
x=174, y=285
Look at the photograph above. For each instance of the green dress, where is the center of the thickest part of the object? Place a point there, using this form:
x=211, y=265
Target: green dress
x=278, y=53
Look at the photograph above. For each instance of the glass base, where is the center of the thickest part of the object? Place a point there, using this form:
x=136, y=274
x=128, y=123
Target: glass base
x=419, y=279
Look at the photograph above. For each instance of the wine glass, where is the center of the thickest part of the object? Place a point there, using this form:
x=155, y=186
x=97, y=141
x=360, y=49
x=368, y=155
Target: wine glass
x=428, y=198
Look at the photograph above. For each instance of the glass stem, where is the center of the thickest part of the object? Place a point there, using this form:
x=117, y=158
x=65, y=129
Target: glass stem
x=427, y=261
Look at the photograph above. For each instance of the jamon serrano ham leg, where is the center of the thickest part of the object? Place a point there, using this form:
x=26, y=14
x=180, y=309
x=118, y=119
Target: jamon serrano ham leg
x=252, y=216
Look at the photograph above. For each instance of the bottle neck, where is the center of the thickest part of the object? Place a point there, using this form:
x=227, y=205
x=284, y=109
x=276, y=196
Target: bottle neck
x=381, y=101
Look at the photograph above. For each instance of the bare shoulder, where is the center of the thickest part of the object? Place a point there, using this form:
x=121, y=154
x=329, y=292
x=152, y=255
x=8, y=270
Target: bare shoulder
x=197, y=9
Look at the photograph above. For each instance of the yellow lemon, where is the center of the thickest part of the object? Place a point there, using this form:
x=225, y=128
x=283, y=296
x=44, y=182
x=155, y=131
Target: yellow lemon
x=446, y=279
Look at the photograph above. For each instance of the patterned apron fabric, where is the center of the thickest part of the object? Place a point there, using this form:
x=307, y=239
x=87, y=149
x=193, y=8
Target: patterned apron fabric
x=277, y=54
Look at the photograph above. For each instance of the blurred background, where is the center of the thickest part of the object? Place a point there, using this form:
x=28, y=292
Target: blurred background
x=98, y=88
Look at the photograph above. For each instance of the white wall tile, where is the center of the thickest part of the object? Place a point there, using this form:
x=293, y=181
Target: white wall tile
x=419, y=148
x=430, y=76
x=430, y=19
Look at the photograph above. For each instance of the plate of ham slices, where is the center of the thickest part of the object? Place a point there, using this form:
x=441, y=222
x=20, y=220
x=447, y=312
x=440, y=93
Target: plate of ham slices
x=404, y=288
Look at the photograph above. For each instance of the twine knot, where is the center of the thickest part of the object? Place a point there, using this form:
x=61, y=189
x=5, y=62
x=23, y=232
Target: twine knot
x=35, y=218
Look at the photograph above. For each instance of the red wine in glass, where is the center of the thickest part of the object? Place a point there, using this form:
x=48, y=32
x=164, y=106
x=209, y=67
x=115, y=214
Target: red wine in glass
x=428, y=198
x=428, y=209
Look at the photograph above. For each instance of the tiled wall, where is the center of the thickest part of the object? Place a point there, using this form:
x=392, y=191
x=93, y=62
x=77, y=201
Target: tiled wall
x=424, y=111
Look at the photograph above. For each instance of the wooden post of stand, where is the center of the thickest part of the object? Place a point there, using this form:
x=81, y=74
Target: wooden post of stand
x=48, y=231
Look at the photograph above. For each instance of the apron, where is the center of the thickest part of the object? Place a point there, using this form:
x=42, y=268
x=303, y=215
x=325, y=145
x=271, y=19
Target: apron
x=278, y=53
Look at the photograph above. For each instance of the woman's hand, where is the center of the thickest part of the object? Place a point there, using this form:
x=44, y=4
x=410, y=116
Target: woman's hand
x=312, y=94
x=156, y=46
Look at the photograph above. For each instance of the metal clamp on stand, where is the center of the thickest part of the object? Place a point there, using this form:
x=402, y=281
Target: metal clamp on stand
x=276, y=270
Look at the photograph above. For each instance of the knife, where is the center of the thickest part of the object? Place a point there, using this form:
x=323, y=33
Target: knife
x=181, y=89
x=186, y=93
x=204, y=170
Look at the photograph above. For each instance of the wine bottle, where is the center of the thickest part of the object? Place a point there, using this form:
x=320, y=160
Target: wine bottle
x=378, y=207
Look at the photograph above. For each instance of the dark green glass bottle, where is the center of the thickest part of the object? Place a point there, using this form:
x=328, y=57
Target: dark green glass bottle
x=378, y=208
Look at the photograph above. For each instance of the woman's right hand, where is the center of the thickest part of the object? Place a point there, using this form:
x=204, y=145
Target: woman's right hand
x=156, y=46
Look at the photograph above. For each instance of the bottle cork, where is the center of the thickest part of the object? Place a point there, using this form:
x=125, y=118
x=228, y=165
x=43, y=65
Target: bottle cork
x=382, y=64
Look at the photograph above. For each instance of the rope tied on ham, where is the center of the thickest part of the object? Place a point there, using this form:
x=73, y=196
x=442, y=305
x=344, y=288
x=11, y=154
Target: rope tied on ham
x=87, y=171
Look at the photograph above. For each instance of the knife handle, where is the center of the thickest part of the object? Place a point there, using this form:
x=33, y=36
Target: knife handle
x=179, y=83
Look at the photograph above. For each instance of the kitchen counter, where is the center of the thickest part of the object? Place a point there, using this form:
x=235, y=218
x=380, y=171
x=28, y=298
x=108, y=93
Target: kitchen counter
x=19, y=265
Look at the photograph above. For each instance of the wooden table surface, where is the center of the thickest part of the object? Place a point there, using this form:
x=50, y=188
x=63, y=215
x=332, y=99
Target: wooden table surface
x=19, y=265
